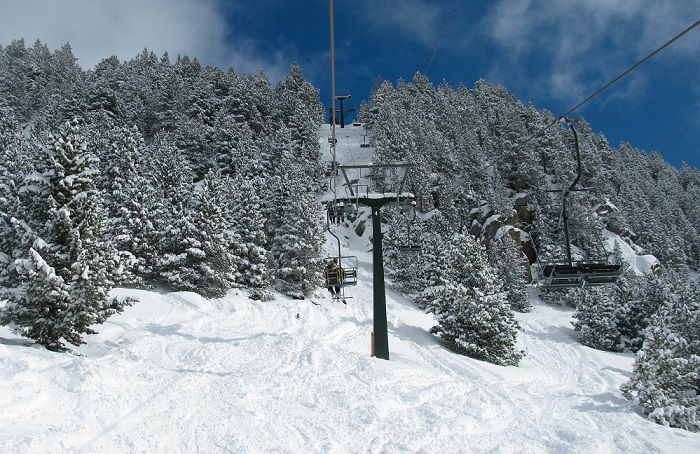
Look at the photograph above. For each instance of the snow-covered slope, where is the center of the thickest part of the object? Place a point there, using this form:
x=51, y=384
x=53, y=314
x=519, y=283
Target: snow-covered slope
x=177, y=373
x=180, y=374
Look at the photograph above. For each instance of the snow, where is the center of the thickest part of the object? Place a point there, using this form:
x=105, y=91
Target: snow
x=178, y=373
x=490, y=219
x=641, y=264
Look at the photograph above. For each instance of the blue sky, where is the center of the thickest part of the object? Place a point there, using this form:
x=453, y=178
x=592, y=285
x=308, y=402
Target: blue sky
x=553, y=53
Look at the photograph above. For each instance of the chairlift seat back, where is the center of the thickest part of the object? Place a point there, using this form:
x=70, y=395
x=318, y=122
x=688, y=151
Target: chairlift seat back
x=562, y=276
x=350, y=276
x=407, y=208
x=332, y=278
x=601, y=273
x=580, y=275
x=348, y=265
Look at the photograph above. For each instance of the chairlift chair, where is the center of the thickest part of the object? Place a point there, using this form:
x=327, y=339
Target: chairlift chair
x=579, y=274
x=410, y=245
x=348, y=264
x=364, y=143
x=570, y=273
x=351, y=200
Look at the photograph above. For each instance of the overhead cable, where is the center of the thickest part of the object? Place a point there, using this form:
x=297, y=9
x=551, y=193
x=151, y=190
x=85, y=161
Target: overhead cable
x=611, y=83
x=629, y=70
x=441, y=36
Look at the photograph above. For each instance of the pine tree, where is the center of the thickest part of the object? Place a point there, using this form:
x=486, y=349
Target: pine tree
x=207, y=265
x=250, y=253
x=66, y=269
x=131, y=201
x=615, y=318
x=294, y=229
x=473, y=315
x=508, y=260
x=15, y=164
x=634, y=305
x=475, y=325
x=437, y=255
x=595, y=318
x=665, y=381
x=296, y=248
x=17, y=84
x=173, y=215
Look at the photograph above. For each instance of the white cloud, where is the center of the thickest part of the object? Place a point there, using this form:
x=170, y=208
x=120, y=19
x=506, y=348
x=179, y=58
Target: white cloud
x=98, y=29
x=418, y=20
x=578, y=47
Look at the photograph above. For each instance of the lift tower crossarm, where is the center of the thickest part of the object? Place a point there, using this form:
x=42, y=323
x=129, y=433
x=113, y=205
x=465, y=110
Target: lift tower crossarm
x=399, y=165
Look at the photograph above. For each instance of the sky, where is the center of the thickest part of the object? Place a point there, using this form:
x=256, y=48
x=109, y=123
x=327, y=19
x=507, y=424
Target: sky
x=551, y=53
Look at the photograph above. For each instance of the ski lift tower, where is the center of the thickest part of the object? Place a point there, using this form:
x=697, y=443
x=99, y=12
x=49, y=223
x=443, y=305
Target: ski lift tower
x=342, y=111
x=376, y=201
x=380, y=344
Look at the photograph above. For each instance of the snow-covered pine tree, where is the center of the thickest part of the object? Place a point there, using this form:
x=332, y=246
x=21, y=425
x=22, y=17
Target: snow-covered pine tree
x=434, y=265
x=171, y=211
x=119, y=166
x=690, y=183
x=615, y=318
x=237, y=152
x=20, y=90
x=518, y=160
x=595, y=319
x=299, y=108
x=634, y=307
x=66, y=268
x=296, y=248
x=665, y=381
x=509, y=261
x=15, y=165
x=294, y=227
x=127, y=197
x=249, y=252
x=207, y=265
x=473, y=315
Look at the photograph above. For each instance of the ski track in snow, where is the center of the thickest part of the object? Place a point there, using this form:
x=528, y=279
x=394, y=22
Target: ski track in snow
x=177, y=373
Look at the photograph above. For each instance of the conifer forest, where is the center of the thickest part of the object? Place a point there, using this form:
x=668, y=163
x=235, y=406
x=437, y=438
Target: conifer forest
x=162, y=173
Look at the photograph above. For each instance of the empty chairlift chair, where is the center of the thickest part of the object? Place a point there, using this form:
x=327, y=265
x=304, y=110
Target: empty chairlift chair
x=570, y=273
x=579, y=274
x=410, y=244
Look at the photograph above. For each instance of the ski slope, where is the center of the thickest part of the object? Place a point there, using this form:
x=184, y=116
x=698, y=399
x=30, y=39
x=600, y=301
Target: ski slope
x=177, y=373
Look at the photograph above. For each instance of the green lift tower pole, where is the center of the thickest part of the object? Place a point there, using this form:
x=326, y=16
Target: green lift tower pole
x=381, y=335
x=376, y=202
